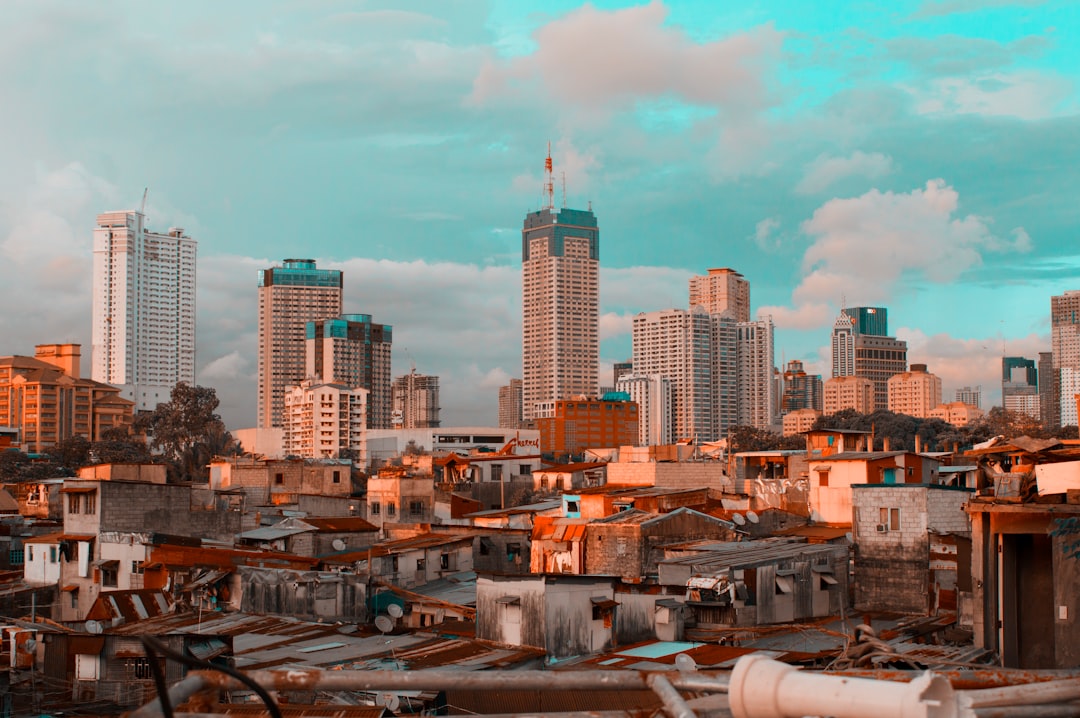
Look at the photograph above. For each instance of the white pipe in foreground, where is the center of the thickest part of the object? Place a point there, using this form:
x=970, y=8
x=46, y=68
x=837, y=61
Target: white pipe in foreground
x=763, y=688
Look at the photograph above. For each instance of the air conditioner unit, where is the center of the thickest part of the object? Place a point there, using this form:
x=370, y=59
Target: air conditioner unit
x=882, y=528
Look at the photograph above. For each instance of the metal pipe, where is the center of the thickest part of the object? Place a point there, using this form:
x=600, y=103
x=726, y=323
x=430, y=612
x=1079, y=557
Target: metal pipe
x=967, y=679
x=187, y=687
x=1050, y=692
x=674, y=705
x=1066, y=710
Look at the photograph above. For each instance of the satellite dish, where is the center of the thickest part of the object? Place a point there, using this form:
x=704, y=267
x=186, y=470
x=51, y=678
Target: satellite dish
x=394, y=610
x=685, y=664
x=94, y=627
x=384, y=624
x=389, y=700
x=752, y=517
x=338, y=545
x=738, y=519
x=30, y=646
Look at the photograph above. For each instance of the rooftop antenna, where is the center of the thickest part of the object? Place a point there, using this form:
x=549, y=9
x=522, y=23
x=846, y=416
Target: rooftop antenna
x=549, y=181
x=564, y=190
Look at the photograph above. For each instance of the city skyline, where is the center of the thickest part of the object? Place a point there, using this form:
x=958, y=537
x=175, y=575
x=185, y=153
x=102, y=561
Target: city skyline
x=423, y=213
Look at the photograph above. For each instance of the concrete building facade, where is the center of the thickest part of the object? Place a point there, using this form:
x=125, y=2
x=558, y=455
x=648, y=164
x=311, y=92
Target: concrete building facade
x=510, y=414
x=583, y=423
x=722, y=290
x=143, y=326
x=653, y=396
x=915, y=393
x=322, y=420
x=290, y=296
x=560, y=256
x=754, y=374
x=848, y=392
x=354, y=351
x=956, y=413
x=1020, y=386
x=415, y=400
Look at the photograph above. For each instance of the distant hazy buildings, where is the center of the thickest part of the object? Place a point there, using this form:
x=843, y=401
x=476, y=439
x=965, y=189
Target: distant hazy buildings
x=972, y=396
x=1065, y=348
x=355, y=351
x=560, y=257
x=1020, y=386
x=47, y=400
x=416, y=401
x=143, y=331
x=848, y=392
x=1049, y=398
x=290, y=296
x=653, y=396
x=800, y=420
x=722, y=290
x=915, y=393
x=510, y=415
x=957, y=413
x=325, y=420
x=754, y=374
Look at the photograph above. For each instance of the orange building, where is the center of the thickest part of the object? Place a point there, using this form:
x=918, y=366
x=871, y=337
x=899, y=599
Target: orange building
x=47, y=400
x=569, y=426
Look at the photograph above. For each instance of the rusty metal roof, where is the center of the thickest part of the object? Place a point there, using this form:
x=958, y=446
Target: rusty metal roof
x=555, y=528
x=342, y=524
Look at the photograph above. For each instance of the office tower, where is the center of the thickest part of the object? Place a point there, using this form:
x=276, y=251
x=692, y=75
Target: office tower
x=1049, y=398
x=848, y=392
x=354, y=351
x=325, y=420
x=290, y=296
x=143, y=332
x=754, y=374
x=621, y=369
x=869, y=320
x=1020, y=386
x=653, y=397
x=575, y=425
x=510, y=405
x=560, y=253
x=1065, y=347
x=801, y=390
x=721, y=290
x=725, y=372
x=843, y=346
x=47, y=400
x=415, y=399
x=678, y=344
x=861, y=346
x=915, y=393
x=972, y=396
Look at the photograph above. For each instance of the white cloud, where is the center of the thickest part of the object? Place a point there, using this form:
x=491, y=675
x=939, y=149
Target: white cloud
x=803, y=316
x=826, y=170
x=764, y=233
x=1024, y=94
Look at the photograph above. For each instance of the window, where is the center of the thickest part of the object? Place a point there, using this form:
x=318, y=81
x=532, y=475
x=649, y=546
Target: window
x=513, y=552
x=823, y=476
x=444, y=561
x=375, y=508
x=74, y=504
x=109, y=576
x=31, y=550
x=90, y=504
x=496, y=472
x=140, y=667
x=52, y=554
x=137, y=568
x=337, y=477
x=889, y=519
x=620, y=546
x=391, y=508
x=15, y=557
x=416, y=508
x=573, y=507
x=279, y=478
x=421, y=564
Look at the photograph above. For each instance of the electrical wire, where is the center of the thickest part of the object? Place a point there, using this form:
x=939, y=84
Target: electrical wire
x=159, y=677
x=149, y=642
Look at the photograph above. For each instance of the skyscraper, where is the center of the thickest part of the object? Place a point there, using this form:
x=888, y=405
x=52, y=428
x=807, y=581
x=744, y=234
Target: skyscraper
x=416, y=401
x=756, y=387
x=843, y=346
x=1020, y=386
x=290, y=296
x=143, y=333
x=510, y=405
x=801, y=390
x=560, y=253
x=861, y=346
x=721, y=290
x=354, y=351
x=1049, y=397
x=1065, y=348
x=869, y=320
x=653, y=397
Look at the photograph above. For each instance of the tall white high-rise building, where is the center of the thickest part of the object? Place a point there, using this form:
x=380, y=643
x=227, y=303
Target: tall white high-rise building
x=756, y=383
x=143, y=332
x=324, y=420
x=653, y=397
x=560, y=258
x=843, y=346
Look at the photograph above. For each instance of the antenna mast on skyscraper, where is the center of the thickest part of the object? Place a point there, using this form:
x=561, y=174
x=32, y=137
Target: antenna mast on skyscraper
x=142, y=207
x=564, y=189
x=549, y=180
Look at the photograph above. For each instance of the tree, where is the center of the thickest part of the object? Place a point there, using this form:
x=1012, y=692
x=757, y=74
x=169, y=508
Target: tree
x=750, y=438
x=1002, y=422
x=186, y=430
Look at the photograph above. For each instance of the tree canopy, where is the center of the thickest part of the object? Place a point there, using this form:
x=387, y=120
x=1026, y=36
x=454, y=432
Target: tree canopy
x=187, y=431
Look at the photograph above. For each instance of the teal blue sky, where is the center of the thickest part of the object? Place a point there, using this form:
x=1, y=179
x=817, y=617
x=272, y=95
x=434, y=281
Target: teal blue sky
x=918, y=155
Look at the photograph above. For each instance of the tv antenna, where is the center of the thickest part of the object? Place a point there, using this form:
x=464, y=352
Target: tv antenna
x=549, y=180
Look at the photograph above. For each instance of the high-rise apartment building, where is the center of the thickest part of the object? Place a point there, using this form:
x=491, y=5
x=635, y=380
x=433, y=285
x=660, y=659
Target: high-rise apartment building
x=722, y=290
x=972, y=396
x=1065, y=348
x=560, y=253
x=848, y=392
x=801, y=390
x=354, y=351
x=578, y=424
x=143, y=331
x=620, y=369
x=915, y=393
x=510, y=405
x=653, y=395
x=325, y=420
x=1049, y=394
x=290, y=296
x=843, y=346
x=1020, y=386
x=678, y=344
x=754, y=374
x=416, y=401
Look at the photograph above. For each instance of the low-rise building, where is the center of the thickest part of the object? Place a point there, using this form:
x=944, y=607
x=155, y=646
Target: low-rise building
x=832, y=477
x=569, y=426
x=800, y=420
x=848, y=392
x=957, y=413
x=915, y=392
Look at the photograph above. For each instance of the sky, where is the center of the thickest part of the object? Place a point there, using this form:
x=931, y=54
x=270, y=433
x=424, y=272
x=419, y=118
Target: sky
x=921, y=156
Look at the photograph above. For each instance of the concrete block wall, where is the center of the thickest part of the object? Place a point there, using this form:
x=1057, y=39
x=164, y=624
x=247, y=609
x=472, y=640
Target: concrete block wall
x=945, y=510
x=678, y=475
x=614, y=550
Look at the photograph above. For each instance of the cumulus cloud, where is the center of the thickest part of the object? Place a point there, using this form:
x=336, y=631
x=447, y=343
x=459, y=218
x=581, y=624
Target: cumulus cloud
x=827, y=170
x=805, y=315
x=864, y=247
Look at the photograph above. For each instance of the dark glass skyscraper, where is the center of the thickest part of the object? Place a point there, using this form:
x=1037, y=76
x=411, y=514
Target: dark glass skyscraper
x=873, y=321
